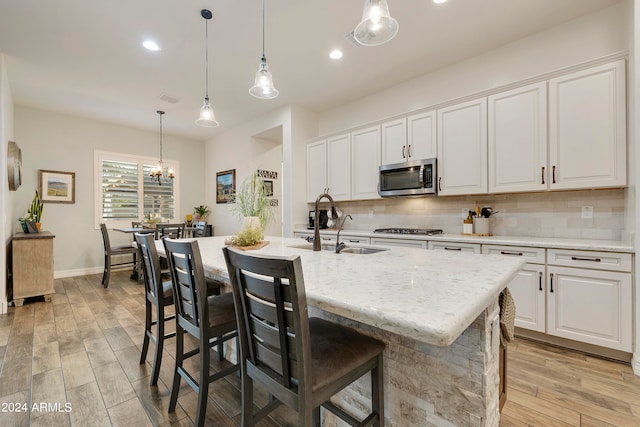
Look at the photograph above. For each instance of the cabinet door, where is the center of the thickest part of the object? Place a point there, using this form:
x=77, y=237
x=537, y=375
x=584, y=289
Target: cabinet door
x=591, y=306
x=365, y=163
x=528, y=292
x=422, y=136
x=462, y=148
x=339, y=167
x=518, y=140
x=455, y=247
x=394, y=141
x=587, y=128
x=316, y=169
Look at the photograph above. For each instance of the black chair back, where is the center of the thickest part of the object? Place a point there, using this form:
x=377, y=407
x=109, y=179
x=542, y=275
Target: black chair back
x=189, y=286
x=150, y=266
x=271, y=311
x=171, y=231
x=105, y=239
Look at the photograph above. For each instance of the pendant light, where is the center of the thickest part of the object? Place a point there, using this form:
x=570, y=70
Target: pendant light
x=207, y=117
x=263, y=86
x=377, y=25
x=157, y=172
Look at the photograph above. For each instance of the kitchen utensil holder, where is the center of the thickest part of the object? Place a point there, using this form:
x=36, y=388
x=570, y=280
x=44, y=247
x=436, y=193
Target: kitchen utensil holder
x=481, y=225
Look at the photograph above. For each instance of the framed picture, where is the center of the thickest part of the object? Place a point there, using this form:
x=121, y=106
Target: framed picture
x=225, y=186
x=268, y=187
x=57, y=186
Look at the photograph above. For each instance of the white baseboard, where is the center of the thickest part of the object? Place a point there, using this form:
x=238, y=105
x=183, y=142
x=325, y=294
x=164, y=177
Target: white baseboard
x=62, y=274
x=635, y=364
x=4, y=307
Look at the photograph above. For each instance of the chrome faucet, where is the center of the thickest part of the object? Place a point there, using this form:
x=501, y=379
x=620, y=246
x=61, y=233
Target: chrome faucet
x=340, y=245
x=316, y=222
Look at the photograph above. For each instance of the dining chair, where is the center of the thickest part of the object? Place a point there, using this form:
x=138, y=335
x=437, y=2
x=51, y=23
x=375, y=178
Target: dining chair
x=115, y=251
x=172, y=231
x=158, y=295
x=211, y=321
x=301, y=361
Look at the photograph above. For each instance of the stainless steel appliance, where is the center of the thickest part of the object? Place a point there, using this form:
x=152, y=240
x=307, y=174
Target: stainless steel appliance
x=413, y=178
x=425, y=231
x=324, y=218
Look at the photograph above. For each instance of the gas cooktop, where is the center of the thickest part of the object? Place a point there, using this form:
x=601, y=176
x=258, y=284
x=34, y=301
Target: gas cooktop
x=425, y=231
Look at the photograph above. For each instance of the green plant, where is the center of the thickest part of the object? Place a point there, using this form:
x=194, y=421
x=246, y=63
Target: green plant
x=202, y=211
x=251, y=200
x=35, y=210
x=248, y=237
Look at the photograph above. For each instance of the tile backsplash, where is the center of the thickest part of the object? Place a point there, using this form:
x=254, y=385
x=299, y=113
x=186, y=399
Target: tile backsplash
x=550, y=214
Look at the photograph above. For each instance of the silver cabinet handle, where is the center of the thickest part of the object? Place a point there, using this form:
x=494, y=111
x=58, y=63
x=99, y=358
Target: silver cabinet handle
x=409, y=150
x=404, y=147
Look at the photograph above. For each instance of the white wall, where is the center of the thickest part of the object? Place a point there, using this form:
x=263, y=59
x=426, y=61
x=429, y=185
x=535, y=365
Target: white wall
x=54, y=141
x=6, y=197
x=634, y=157
x=577, y=41
x=243, y=149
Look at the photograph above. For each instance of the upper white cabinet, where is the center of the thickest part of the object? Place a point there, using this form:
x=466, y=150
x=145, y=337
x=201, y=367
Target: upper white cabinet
x=409, y=138
x=462, y=148
x=518, y=139
x=365, y=162
x=587, y=128
x=339, y=167
x=316, y=169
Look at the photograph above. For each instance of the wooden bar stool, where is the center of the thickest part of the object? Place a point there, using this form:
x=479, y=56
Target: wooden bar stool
x=210, y=320
x=301, y=361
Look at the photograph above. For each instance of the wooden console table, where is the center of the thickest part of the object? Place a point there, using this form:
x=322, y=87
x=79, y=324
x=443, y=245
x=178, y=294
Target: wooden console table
x=32, y=264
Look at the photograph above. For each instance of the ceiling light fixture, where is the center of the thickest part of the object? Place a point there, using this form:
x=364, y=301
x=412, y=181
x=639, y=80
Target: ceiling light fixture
x=377, y=25
x=157, y=172
x=439, y=1
x=150, y=45
x=207, y=117
x=263, y=86
x=335, y=54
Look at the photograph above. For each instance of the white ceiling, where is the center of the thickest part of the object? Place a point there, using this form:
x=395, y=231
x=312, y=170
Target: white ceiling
x=85, y=57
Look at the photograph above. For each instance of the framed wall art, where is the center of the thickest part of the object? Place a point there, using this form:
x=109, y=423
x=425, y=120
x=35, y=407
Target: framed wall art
x=57, y=186
x=225, y=186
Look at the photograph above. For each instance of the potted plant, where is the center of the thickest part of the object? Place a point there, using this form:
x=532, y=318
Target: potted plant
x=200, y=213
x=253, y=207
x=30, y=222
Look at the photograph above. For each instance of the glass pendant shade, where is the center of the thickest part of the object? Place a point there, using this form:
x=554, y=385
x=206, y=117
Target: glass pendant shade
x=377, y=25
x=263, y=86
x=207, y=117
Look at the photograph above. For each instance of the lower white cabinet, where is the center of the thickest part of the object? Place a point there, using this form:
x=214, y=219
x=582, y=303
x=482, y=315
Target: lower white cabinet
x=406, y=243
x=528, y=288
x=592, y=306
x=455, y=246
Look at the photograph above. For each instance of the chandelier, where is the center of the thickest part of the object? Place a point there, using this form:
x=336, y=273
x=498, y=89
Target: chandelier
x=159, y=171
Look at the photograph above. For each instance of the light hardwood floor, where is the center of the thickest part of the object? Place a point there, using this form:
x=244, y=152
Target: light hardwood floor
x=82, y=349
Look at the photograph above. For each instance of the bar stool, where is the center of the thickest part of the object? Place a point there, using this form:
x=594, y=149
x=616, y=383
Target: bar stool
x=301, y=361
x=114, y=251
x=210, y=320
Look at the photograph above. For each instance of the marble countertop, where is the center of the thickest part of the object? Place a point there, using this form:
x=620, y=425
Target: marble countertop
x=539, y=242
x=430, y=296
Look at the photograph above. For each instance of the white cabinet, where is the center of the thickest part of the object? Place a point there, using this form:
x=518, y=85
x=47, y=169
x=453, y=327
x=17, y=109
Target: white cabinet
x=462, y=148
x=339, y=167
x=528, y=288
x=409, y=138
x=406, y=243
x=316, y=169
x=365, y=163
x=589, y=298
x=587, y=128
x=455, y=246
x=517, y=143
x=350, y=238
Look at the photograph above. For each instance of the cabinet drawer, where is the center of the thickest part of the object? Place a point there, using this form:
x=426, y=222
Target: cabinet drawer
x=464, y=247
x=347, y=238
x=590, y=259
x=531, y=255
x=407, y=243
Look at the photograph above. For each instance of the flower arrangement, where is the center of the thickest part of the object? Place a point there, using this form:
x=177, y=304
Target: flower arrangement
x=201, y=212
x=252, y=205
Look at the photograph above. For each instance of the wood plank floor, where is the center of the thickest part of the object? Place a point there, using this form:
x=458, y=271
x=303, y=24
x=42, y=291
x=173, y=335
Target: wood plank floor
x=82, y=350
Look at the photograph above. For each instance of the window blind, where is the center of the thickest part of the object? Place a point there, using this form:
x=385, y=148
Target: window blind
x=119, y=190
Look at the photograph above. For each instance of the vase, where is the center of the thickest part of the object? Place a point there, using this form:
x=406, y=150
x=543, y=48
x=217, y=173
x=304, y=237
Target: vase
x=38, y=225
x=252, y=222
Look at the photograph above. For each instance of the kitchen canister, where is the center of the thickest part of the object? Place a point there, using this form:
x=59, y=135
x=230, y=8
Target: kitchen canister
x=481, y=225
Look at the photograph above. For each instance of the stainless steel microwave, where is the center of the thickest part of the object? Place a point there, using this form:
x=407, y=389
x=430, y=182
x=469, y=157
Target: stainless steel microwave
x=413, y=178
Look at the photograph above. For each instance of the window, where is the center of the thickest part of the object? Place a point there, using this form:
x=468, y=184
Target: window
x=124, y=191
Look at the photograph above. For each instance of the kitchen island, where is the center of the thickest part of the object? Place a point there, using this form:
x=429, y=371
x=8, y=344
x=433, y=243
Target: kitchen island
x=436, y=311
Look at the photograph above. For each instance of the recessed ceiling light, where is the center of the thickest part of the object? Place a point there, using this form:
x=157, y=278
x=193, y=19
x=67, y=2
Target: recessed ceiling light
x=439, y=1
x=335, y=54
x=150, y=45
